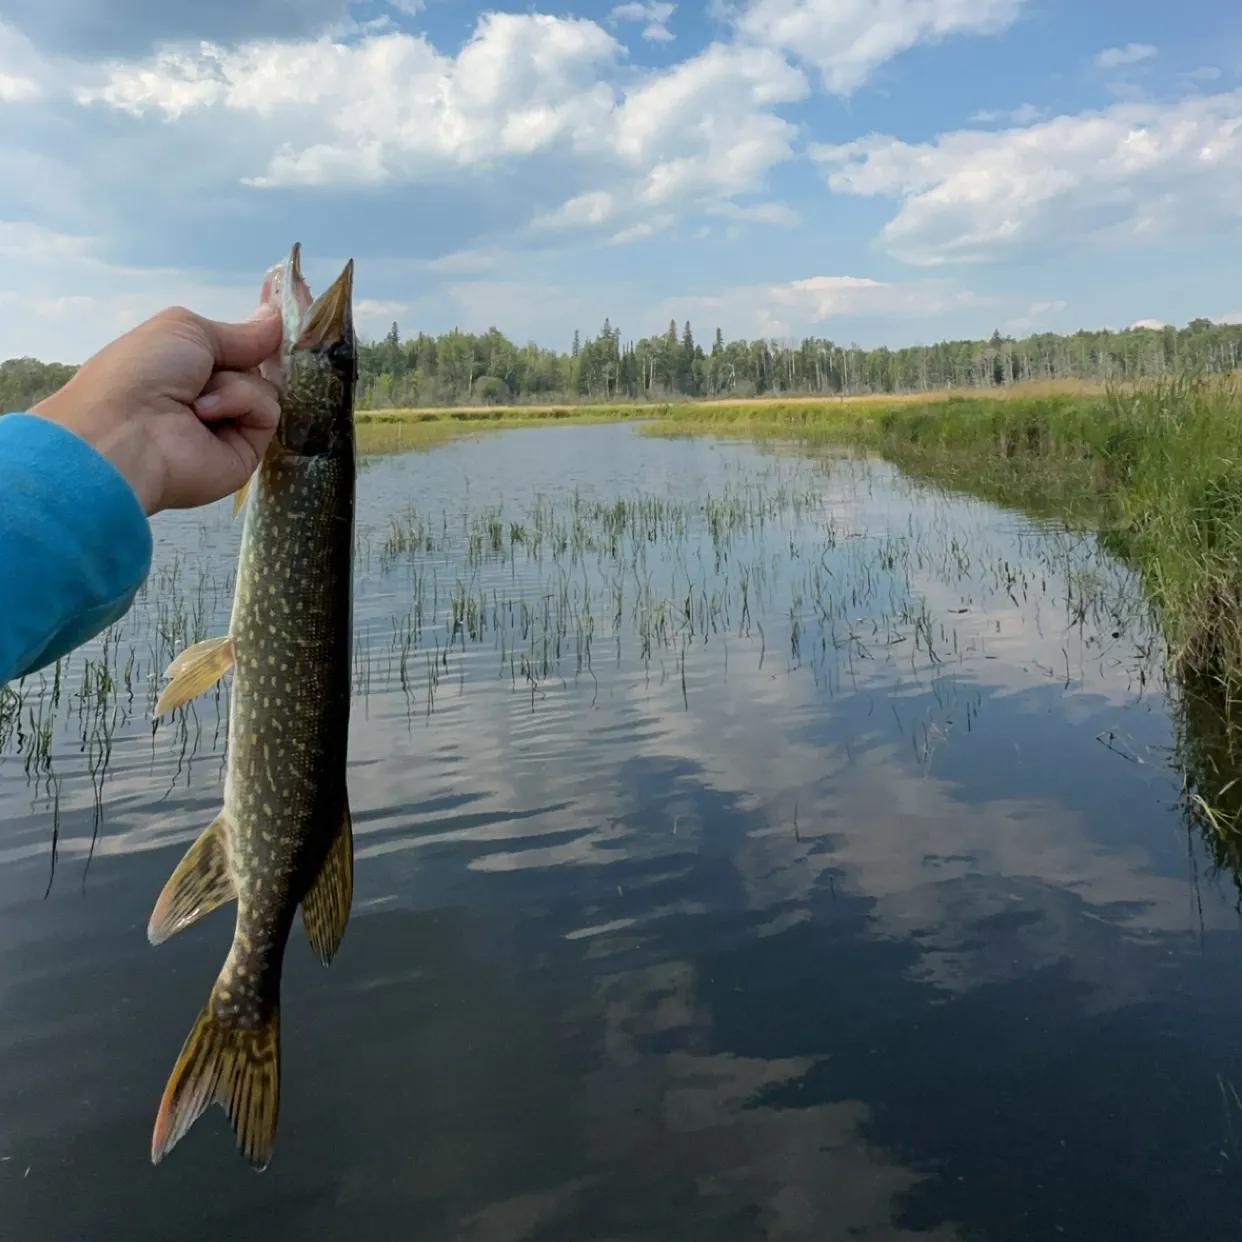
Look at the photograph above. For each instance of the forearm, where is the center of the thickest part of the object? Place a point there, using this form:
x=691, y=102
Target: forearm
x=75, y=545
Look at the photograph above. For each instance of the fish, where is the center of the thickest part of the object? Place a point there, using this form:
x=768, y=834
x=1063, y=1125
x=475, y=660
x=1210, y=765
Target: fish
x=283, y=838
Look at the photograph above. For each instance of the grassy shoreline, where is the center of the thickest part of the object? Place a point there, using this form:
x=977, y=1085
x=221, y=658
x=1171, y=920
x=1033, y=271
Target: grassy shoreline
x=760, y=408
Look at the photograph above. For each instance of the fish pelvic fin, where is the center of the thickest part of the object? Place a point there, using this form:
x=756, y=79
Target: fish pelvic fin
x=196, y=669
x=325, y=909
x=202, y=881
x=234, y=1066
x=239, y=496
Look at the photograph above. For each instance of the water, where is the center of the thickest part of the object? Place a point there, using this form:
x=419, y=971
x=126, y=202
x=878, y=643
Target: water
x=747, y=918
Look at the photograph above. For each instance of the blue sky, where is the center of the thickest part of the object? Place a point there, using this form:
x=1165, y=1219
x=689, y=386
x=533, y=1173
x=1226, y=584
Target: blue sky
x=879, y=171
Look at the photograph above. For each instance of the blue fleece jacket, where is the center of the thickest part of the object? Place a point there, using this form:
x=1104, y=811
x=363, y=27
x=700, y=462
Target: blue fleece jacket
x=75, y=544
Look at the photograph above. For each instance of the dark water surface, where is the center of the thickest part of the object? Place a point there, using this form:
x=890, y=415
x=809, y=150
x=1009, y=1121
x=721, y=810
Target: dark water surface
x=696, y=897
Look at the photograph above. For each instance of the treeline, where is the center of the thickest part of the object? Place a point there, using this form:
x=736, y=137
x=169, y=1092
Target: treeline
x=461, y=368
x=26, y=381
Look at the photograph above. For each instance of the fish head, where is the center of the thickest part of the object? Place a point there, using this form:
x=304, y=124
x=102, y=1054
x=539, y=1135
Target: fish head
x=317, y=369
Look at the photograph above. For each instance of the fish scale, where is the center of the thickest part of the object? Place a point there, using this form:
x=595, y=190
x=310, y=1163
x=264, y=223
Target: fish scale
x=283, y=837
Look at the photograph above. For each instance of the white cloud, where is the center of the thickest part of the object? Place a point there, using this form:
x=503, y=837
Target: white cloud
x=641, y=231
x=527, y=310
x=1024, y=114
x=1131, y=54
x=692, y=136
x=460, y=261
x=15, y=88
x=50, y=317
x=1035, y=318
x=653, y=13
x=583, y=210
x=757, y=213
x=779, y=310
x=373, y=309
x=1155, y=324
x=1130, y=173
x=849, y=39
x=60, y=301
x=23, y=71
x=1202, y=75
x=35, y=243
x=389, y=105
x=391, y=108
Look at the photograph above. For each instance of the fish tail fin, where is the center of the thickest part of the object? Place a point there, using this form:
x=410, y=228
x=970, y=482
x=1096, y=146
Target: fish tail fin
x=234, y=1066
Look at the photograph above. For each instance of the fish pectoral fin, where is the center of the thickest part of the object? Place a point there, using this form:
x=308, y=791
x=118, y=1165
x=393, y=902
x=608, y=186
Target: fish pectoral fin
x=234, y=1066
x=325, y=909
x=239, y=496
x=201, y=882
x=196, y=669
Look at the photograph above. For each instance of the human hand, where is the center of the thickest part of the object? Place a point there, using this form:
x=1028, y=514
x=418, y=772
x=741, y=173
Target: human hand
x=177, y=405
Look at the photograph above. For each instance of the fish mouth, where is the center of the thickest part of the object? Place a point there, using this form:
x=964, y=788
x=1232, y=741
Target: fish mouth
x=330, y=320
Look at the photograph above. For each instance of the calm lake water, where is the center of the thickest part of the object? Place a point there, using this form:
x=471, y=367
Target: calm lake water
x=751, y=844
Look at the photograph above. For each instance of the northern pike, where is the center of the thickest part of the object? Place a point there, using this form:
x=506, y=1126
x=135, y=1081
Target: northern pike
x=283, y=837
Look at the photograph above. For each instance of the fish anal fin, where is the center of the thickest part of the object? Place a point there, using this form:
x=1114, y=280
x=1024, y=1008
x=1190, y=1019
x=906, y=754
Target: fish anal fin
x=326, y=907
x=195, y=670
x=201, y=881
x=237, y=1067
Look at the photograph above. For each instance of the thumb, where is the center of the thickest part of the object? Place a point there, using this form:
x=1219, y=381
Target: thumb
x=242, y=346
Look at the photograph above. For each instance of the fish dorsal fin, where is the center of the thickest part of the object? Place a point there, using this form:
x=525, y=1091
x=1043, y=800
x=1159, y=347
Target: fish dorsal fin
x=196, y=669
x=325, y=909
x=202, y=881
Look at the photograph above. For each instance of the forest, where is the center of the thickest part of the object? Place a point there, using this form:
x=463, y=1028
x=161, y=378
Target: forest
x=462, y=368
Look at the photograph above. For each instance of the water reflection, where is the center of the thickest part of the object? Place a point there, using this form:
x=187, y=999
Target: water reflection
x=786, y=852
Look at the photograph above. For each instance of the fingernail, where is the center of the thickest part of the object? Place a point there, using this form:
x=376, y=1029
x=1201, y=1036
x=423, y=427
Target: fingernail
x=265, y=310
x=208, y=403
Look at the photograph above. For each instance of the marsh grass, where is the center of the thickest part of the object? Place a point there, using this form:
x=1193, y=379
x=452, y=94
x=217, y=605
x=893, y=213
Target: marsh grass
x=757, y=409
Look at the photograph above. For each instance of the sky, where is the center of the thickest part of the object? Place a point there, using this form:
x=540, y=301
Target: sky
x=885, y=172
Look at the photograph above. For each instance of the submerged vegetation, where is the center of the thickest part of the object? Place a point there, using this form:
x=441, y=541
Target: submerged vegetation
x=1155, y=469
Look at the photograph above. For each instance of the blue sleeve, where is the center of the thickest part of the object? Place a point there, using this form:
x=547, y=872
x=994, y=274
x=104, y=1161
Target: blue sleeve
x=75, y=544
